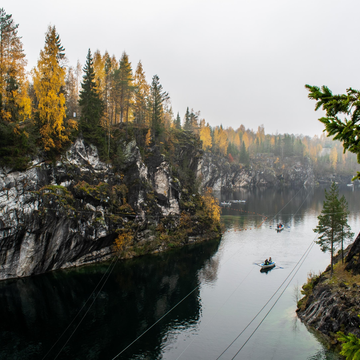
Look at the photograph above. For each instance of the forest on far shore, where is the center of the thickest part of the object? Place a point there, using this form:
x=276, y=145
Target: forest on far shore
x=107, y=101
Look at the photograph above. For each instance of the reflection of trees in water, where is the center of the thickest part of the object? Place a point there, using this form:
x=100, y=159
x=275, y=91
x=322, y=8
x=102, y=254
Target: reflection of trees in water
x=35, y=311
x=208, y=274
x=269, y=202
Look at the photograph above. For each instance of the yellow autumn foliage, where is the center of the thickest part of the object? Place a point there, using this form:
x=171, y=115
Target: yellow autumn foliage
x=205, y=137
x=123, y=241
x=212, y=207
x=221, y=140
x=49, y=80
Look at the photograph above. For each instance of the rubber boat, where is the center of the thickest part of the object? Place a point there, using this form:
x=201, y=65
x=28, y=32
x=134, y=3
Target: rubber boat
x=280, y=228
x=268, y=266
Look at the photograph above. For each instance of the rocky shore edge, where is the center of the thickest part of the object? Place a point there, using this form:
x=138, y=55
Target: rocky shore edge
x=332, y=304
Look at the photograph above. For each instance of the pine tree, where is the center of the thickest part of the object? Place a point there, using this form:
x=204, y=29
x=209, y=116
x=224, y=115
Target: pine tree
x=49, y=85
x=351, y=345
x=71, y=94
x=345, y=228
x=141, y=95
x=194, y=121
x=92, y=107
x=177, y=122
x=15, y=104
x=244, y=155
x=157, y=98
x=187, y=120
x=332, y=222
x=342, y=116
x=126, y=87
x=111, y=89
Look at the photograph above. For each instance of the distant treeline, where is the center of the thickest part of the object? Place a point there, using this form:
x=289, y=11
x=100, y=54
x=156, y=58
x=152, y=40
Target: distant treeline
x=106, y=100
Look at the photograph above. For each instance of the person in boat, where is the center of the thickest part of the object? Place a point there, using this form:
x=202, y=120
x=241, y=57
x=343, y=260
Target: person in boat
x=270, y=261
x=266, y=262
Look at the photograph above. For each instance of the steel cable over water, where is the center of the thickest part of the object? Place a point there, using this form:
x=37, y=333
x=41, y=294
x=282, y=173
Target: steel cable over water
x=157, y=321
x=114, y=261
x=302, y=258
x=247, y=276
x=78, y=313
x=312, y=245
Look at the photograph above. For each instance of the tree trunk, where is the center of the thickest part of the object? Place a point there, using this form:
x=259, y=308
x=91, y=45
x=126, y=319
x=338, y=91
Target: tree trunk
x=332, y=253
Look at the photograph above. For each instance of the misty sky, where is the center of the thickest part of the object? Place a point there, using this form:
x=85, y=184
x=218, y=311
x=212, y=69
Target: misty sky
x=237, y=62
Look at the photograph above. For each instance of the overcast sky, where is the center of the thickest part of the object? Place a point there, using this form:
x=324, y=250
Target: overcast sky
x=237, y=62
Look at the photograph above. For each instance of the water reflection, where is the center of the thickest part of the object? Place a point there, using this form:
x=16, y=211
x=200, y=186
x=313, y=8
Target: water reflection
x=35, y=311
x=286, y=205
x=222, y=287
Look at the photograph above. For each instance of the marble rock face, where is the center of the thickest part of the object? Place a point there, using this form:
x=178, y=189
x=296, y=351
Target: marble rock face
x=49, y=219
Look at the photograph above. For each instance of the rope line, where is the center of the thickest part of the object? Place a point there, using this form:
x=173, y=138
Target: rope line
x=63, y=333
x=81, y=320
x=301, y=258
x=156, y=322
x=234, y=254
x=220, y=308
x=302, y=203
x=113, y=262
x=263, y=319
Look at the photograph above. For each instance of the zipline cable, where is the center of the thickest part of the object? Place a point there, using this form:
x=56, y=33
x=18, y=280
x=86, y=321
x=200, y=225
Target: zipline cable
x=219, y=308
x=271, y=306
x=286, y=204
x=157, y=321
x=244, y=280
x=77, y=326
x=78, y=313
x=302, y=203
x=306, y=251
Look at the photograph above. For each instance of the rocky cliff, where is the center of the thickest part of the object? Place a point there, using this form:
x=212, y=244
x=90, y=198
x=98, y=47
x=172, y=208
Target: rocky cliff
x=333, y=304
x=265, y=170
x=68, y=213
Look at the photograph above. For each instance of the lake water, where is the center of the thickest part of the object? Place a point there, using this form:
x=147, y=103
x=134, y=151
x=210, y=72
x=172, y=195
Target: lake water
x=206, y=301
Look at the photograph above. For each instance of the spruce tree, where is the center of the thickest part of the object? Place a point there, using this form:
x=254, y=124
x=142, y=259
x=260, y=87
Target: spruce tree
x=332, y=222
x=187, y=120
x=177, y=122
x=92, y=107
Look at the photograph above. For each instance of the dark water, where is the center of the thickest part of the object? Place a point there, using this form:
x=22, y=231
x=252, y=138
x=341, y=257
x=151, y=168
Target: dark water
x=191, y=303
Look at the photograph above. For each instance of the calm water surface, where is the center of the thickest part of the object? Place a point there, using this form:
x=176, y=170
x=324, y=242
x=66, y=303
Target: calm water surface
x=194, y=303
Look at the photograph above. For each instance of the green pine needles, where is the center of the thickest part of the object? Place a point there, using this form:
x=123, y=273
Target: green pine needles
x=342, y=116
x=350, y=347
x=92, y=107
x=333, y=227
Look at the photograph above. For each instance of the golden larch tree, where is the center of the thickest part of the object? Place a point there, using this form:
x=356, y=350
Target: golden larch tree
x=246, y=140
x=49, y=84
x=141, y=95
x=205, y=135
x=220, y=140
x=15, y=104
